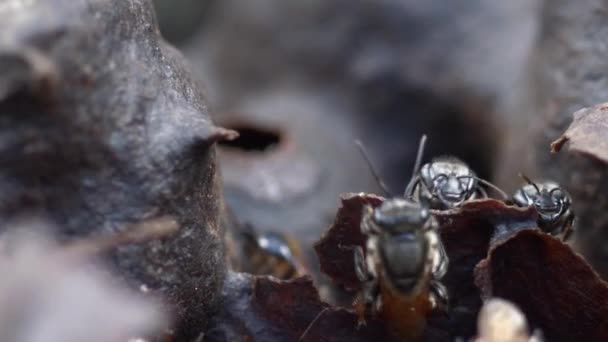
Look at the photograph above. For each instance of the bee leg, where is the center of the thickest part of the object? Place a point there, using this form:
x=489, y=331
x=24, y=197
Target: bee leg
x=440, y=259
x=481, y=192
x=410, y=189
x=371, y=295
x=370, y=290
x=568, y=230
x=377, y=305
x=439, y=296
x=367, y=226
x=361, y=270
x=368, y=301
x=443, y=262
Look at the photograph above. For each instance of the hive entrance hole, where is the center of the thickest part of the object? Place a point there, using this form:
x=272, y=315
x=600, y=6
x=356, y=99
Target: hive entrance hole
x=253, y=139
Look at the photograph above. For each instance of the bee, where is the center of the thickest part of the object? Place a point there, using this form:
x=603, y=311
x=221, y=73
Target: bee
x=404, y=249
x=552, y=203
x=446, y=182
x=402, y=261
x=271, y=253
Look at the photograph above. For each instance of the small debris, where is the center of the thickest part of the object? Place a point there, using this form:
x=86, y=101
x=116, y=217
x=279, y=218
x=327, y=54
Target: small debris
x=501, y=321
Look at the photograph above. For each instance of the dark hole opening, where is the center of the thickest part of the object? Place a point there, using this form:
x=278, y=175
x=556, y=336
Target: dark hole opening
x=253, y=139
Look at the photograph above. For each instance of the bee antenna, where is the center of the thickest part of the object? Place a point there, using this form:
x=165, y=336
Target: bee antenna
x=493, y=186
x=311, y=324
x=529, y=181
x=489, y=185
x=372, y=169
x=419, y=155
x=417, y=164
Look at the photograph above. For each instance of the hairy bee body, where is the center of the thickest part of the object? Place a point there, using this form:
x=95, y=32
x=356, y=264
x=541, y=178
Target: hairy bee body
x=404, y=258
x=403, y=251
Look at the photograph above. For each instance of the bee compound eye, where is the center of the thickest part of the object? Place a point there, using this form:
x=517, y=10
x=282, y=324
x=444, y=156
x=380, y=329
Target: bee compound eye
x=468, y=183
x=439, y=180
x=558, y=194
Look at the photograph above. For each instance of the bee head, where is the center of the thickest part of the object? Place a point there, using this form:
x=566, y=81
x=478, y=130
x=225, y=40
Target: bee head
x=549, y=198
x=400, y=215
x=450, y=180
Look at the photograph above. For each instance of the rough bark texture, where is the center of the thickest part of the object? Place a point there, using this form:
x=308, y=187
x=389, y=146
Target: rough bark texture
x=180, y=19
x=101, y=125
x=569, y=72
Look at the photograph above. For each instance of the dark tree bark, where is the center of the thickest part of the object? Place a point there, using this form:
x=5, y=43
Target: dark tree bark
x=101, y=125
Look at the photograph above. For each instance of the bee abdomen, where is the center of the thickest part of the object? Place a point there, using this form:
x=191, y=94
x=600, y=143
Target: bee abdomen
x=404, y=258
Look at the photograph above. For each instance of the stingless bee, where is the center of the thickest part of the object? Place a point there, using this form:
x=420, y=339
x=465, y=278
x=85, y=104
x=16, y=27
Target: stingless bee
x=271, y=253
x=552, y=203
x=404, y=258
x=446, y=182
x=403, y=248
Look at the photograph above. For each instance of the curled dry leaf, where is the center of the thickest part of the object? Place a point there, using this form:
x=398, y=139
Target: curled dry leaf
x=259, y=308
x=556, y=289
x=466, y=233
x=335, y=249
x=588, y=133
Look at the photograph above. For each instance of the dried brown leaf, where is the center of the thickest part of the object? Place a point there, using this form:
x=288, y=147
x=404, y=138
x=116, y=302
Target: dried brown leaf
x=588, y=133
x=335, y=249
x=266, y=309
x=466, y=233
x=555, y=288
